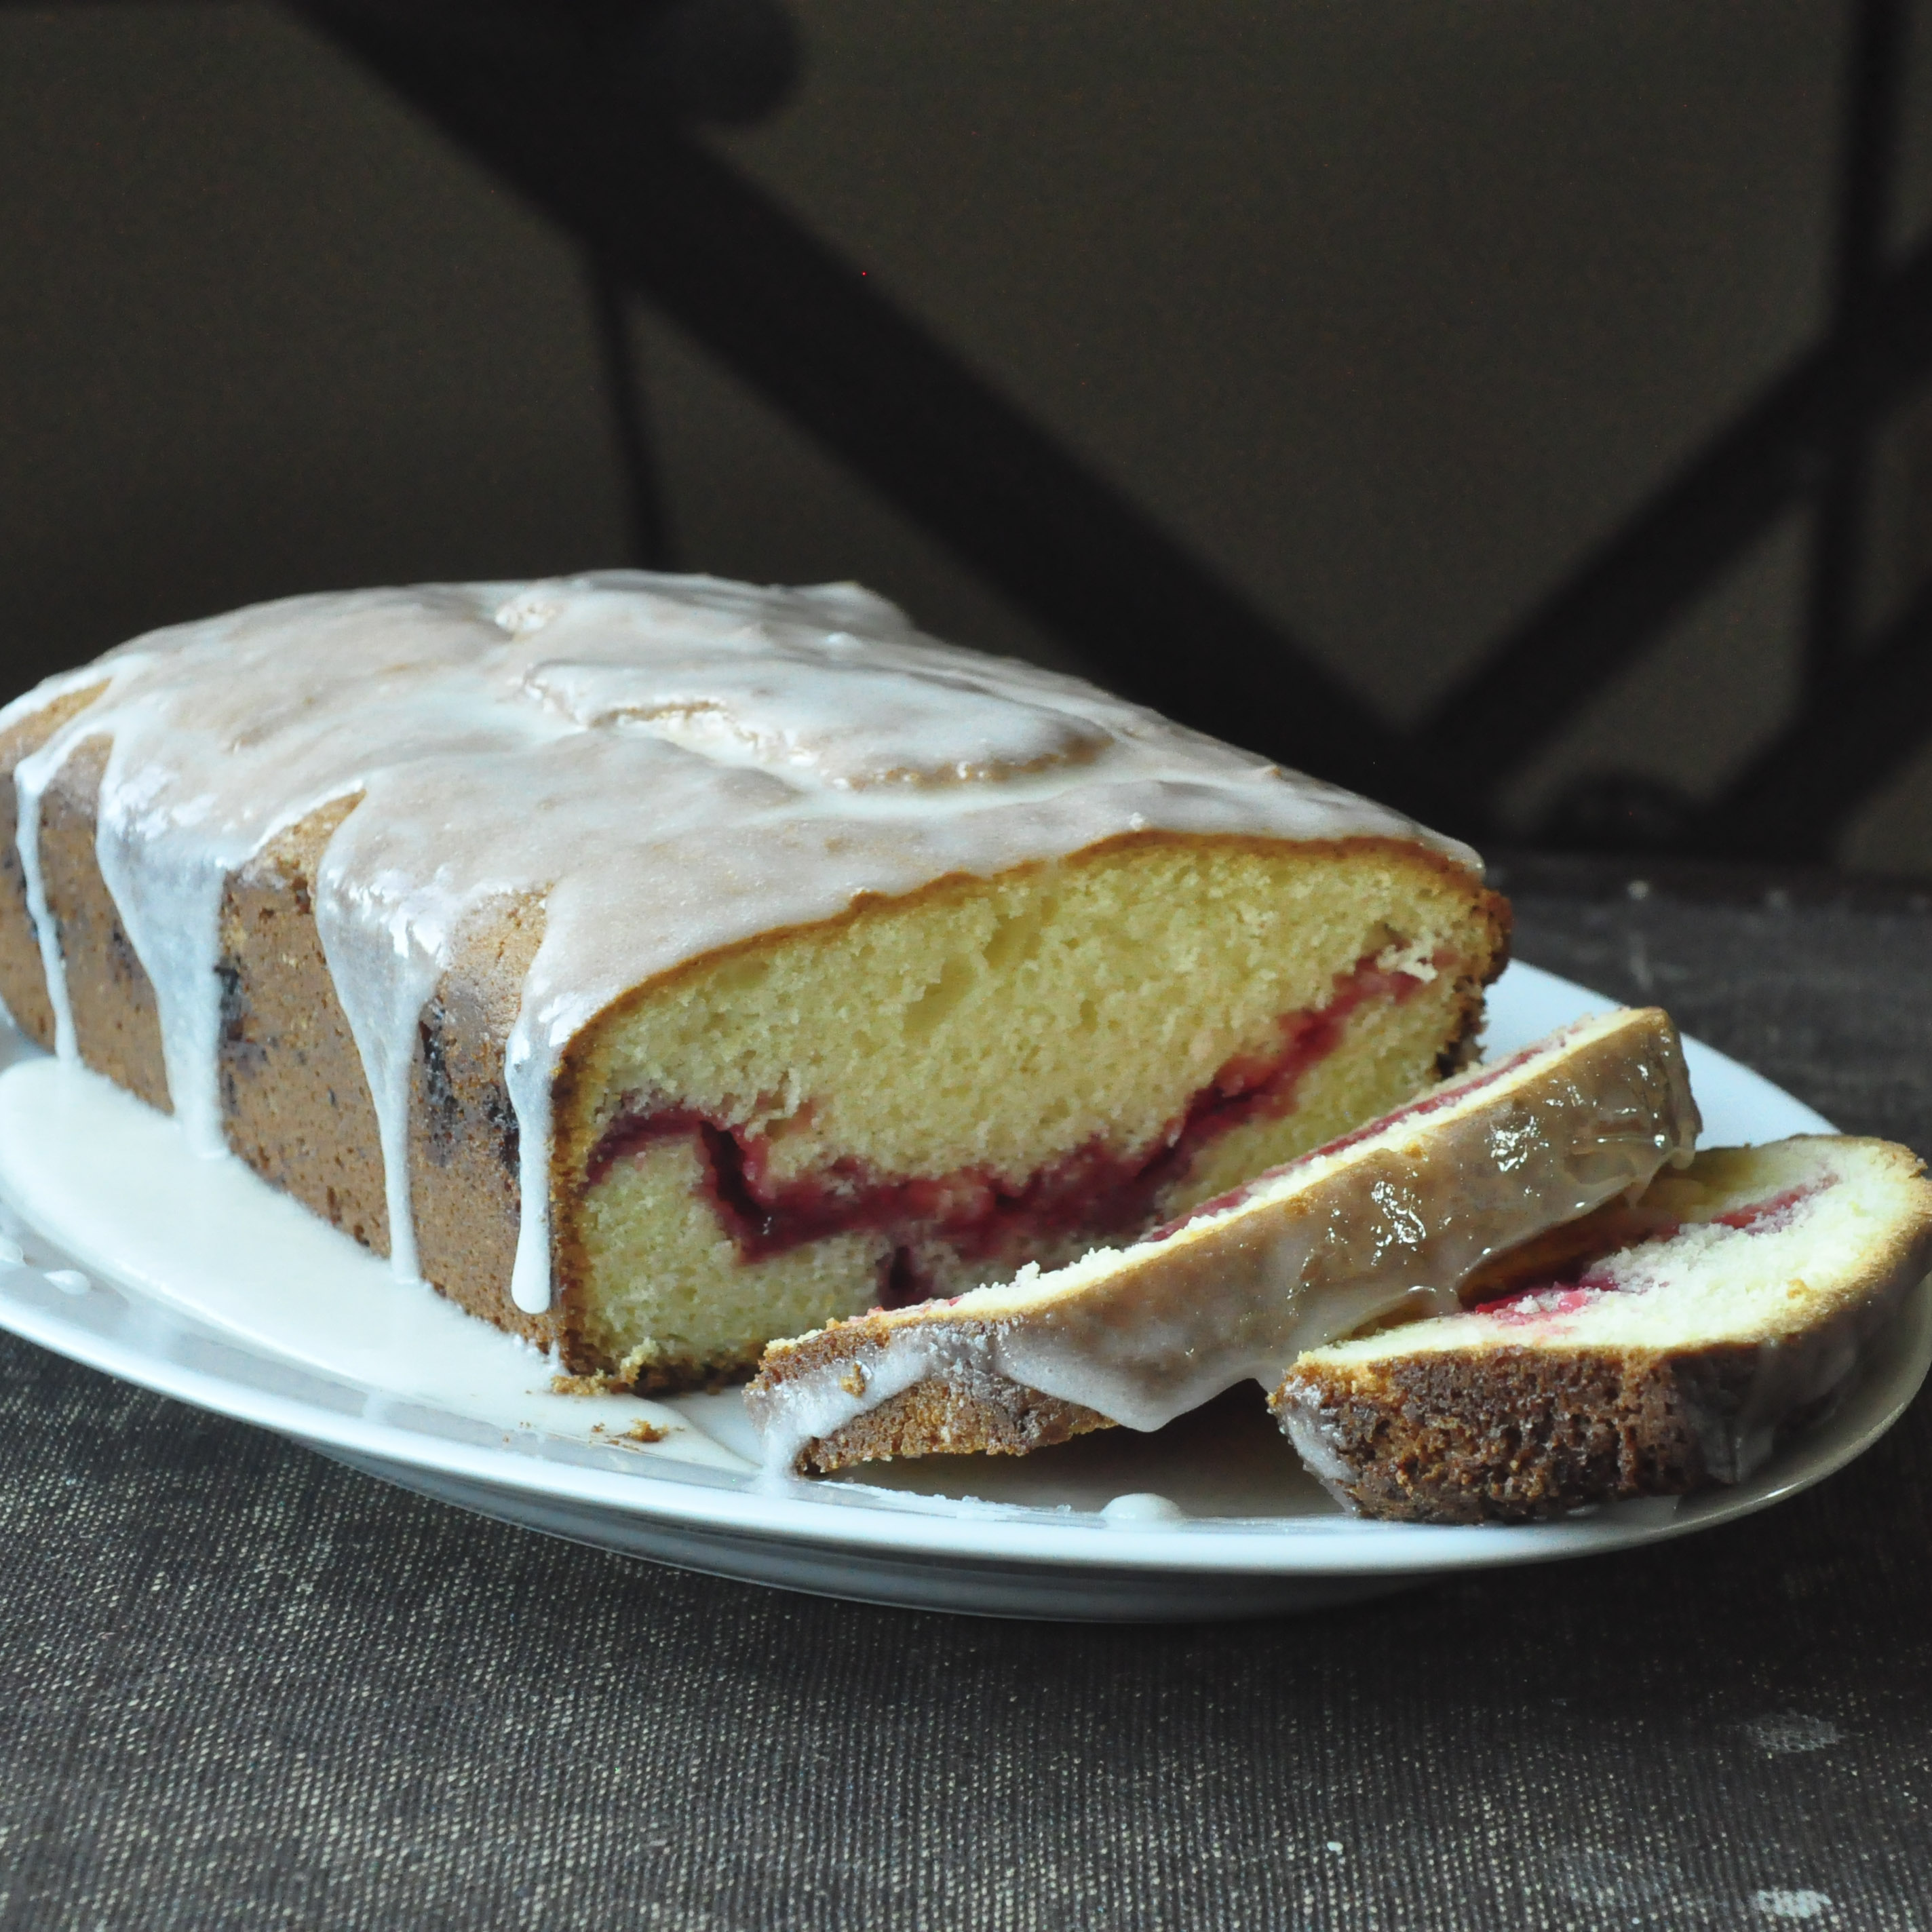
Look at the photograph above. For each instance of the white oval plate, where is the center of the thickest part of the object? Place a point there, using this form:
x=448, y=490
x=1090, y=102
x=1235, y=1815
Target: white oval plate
x=195, y=1279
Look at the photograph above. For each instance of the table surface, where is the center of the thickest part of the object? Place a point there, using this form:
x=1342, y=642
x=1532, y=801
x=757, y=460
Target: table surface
x=240, y=1686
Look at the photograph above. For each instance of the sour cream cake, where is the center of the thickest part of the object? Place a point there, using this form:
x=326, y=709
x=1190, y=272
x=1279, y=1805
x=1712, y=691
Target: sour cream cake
x=1389, y=1219
x=1650, y=1350
x=658, y=965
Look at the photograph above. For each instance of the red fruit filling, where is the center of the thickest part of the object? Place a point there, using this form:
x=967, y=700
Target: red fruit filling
x=1092, y=1191
x=1761, y=1216
x=1535, y=1304
x=1410, y=1110
x=1596, y=1237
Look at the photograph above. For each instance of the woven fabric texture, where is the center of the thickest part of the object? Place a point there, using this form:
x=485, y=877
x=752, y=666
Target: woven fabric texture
x=242, y=1687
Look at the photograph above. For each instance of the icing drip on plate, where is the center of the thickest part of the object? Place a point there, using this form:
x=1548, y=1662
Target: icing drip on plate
x=665, y=765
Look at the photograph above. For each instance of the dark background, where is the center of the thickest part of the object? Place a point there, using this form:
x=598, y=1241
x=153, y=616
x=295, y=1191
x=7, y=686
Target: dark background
x=1387, y=311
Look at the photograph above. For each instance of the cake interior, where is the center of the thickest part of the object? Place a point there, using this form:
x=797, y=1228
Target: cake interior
x=1685, y=1266
x=928, y=1093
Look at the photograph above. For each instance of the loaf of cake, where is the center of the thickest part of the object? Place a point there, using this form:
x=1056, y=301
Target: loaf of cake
x=658, y=965
x=1649, y=1350
x=1387, y=1220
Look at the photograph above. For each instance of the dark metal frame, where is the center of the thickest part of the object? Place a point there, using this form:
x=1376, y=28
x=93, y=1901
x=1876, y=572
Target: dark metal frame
x=648, y=516
x=1869, y=142
x=1865, y=708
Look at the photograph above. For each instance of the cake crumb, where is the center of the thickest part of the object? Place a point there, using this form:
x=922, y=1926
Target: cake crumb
x=596, y=1383
x=639, y=1433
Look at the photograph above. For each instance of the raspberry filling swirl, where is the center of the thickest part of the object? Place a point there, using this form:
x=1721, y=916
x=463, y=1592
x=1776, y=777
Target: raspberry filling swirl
x=1569, y=1288
x=1092, y=1191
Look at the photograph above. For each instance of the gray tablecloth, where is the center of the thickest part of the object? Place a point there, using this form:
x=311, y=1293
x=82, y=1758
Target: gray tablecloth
x=240, y=1686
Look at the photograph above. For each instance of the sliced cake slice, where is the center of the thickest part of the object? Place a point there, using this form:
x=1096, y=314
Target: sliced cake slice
x=1390, y=1217
x=1648, y=1350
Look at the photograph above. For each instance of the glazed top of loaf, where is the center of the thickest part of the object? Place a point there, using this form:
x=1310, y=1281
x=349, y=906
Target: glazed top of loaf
x=672, y=764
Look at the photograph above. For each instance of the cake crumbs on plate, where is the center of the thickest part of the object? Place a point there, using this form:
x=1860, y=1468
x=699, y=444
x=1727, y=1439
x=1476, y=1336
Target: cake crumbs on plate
x=639, y=1433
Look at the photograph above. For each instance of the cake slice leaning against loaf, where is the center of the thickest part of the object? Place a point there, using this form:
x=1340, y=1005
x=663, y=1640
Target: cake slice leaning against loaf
x=1393, y=1215
x=1651, y=1351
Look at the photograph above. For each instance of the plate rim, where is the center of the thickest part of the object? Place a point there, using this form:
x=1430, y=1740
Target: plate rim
x=834, y=1516
x=1204, y=1545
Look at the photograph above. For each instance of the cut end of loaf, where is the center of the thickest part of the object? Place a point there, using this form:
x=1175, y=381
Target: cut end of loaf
x=935, y=1092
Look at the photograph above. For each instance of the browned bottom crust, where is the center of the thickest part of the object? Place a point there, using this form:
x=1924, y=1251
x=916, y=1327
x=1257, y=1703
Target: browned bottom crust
x=967, y=1412
x=685, y=1375
x=1517, y=1434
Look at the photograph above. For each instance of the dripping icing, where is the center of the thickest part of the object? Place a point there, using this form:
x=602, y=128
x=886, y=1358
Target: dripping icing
x=32, y=775
x=31, y=778
x=663, y=766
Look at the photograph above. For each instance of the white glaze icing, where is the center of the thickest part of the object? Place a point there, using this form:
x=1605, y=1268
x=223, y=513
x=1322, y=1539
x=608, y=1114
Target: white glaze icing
x=30, y=778
x=670, y=764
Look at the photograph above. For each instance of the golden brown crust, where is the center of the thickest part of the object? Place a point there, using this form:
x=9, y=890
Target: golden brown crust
x=972, y=1414
x=295, y=1099
x=116, y=1024
x=1521, y=1434
x=665, y=1374
x=464, y=1172
x=1498, y=920
x=23, y=985
x=837, y=1342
